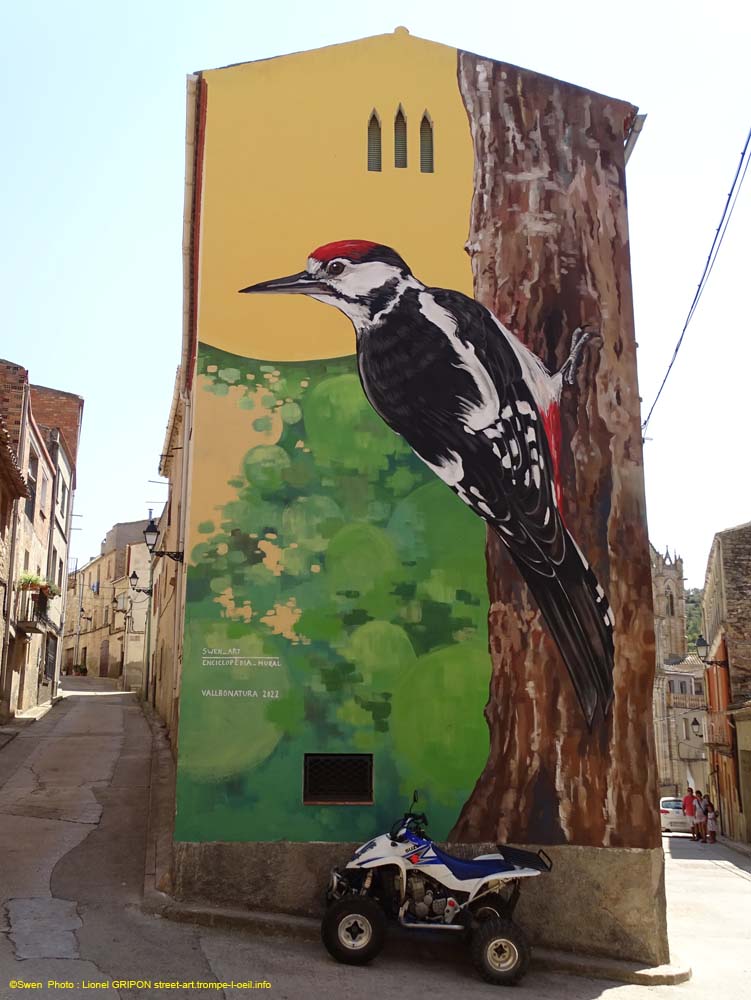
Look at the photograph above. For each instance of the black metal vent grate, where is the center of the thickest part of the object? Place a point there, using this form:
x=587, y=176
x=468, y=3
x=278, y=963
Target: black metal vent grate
x=343, y=778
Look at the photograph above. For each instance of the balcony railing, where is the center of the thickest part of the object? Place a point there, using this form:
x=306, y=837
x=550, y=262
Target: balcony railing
x=718, y=730
x=31, y=611
x=695, y=701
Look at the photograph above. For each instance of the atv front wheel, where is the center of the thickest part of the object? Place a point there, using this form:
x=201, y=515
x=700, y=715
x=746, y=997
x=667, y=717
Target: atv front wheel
x=500, y=951
x=354, y=930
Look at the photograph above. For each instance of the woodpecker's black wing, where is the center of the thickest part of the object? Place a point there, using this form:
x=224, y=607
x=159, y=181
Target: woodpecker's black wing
x=445, y=376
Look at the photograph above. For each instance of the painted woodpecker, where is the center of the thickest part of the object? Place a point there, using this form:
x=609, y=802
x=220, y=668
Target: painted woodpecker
x=481, y=411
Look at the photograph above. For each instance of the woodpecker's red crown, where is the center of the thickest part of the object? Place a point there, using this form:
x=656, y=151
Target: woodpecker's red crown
x=349, y=249
x=359, y=252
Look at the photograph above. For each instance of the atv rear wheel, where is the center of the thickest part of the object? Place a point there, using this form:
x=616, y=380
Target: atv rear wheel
x=354, y=930
x=500, y=951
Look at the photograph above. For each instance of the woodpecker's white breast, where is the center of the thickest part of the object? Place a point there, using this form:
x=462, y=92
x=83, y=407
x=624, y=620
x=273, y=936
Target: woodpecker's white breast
x=545, y=388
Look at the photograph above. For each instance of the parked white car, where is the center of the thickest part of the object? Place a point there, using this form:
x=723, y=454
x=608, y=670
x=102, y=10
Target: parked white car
x=672, y=819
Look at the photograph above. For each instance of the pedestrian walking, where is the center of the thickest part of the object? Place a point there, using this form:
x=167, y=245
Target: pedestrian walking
x=711, y=823
x=688, y=810
x=700, y=817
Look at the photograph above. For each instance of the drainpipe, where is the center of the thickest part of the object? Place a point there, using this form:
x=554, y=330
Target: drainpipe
x=128, y=622
x=52, y=569
x=66, y=562
x=147, y=652
x=80, y=612
x=633, y=135
x=182, y=568
x=191, y=248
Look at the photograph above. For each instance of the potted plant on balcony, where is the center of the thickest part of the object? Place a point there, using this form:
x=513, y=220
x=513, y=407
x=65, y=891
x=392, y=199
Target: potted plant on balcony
x=49, y=589
x=30, y=581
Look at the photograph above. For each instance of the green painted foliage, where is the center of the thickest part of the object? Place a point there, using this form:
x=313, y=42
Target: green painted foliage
x=362, y=443
x=345, y=558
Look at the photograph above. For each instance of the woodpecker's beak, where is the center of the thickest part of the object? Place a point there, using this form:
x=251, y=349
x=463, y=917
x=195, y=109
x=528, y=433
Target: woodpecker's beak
x=295, y=284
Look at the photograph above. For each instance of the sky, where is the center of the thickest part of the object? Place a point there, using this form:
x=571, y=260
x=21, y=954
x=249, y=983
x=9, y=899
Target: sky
x=91, y=200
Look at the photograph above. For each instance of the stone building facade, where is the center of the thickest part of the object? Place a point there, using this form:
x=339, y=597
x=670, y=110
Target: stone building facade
x=679, y=703
x=12, y=488
x=44, y=444
x=727, y=627
x=168, y=601
x=106, y=628
x=291, y=658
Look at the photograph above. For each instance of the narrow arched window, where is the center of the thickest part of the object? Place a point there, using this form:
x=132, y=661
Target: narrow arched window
x=400, y=139
x=670, y=603
x=426, y=145
x=374, y=143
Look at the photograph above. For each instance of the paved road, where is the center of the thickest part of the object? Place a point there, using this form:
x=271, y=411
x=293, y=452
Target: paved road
x=73, y=793
x=709, y=916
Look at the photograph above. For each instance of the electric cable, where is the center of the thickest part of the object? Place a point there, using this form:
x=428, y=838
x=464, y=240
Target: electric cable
x=719, y=236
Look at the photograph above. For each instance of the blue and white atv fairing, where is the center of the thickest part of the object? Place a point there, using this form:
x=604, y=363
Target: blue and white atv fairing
x=404, y=876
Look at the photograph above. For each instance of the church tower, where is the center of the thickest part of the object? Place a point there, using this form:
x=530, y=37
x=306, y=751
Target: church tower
x=669, y=600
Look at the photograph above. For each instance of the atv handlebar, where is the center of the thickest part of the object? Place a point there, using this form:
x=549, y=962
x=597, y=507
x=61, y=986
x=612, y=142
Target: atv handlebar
x=409, y=821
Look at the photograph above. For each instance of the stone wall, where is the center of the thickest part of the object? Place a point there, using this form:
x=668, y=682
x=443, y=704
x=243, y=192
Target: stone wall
x=55, y=408
x=736, y=570
x=598, y=901
x=13, y=379
x=6, y=510
x=12, y=486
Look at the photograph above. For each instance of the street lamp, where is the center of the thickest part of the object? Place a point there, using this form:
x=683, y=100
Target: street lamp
x=696, y=727
x=702, y=649
x=134, y=585
x=150, y=536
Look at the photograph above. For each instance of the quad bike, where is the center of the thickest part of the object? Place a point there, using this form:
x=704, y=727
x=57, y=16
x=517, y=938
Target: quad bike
x=404, y=876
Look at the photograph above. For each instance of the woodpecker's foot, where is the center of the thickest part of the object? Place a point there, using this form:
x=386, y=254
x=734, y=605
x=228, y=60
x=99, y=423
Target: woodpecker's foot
x=582, y=336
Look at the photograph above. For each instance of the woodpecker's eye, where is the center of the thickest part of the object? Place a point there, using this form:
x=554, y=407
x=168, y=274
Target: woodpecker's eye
x=335, y=267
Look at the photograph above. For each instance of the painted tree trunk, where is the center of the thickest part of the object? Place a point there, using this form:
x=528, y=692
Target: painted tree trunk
x=549, y=247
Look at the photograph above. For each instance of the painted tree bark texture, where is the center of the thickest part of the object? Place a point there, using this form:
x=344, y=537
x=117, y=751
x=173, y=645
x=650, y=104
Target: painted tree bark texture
x=549, y=247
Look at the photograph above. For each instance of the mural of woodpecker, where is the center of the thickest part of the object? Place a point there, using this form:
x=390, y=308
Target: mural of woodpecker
x=482, y=412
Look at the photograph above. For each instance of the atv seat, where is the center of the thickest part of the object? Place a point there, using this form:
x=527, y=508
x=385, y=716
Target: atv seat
x=464, y=869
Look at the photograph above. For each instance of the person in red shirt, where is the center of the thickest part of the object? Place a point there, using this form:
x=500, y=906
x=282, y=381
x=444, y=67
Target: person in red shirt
x=688, y=810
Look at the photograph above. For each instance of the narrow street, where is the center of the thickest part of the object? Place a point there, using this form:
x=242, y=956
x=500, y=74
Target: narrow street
x=73, y=819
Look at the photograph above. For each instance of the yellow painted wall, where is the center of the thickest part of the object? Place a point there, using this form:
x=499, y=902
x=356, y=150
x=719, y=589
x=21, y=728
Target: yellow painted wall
x=285, y=170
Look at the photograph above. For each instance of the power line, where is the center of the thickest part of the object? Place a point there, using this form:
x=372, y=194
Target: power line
x=719, y=236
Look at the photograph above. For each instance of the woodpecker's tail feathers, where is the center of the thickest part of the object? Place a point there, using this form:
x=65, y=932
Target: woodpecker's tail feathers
x=577, y=612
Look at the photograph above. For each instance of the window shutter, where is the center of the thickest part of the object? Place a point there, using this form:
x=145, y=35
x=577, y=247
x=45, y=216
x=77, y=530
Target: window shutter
x=400, y=140
x=374, y=143
x=426, y=145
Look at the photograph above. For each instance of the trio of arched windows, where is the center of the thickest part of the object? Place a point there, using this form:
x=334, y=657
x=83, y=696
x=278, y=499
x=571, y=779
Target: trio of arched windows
x=375, y=156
